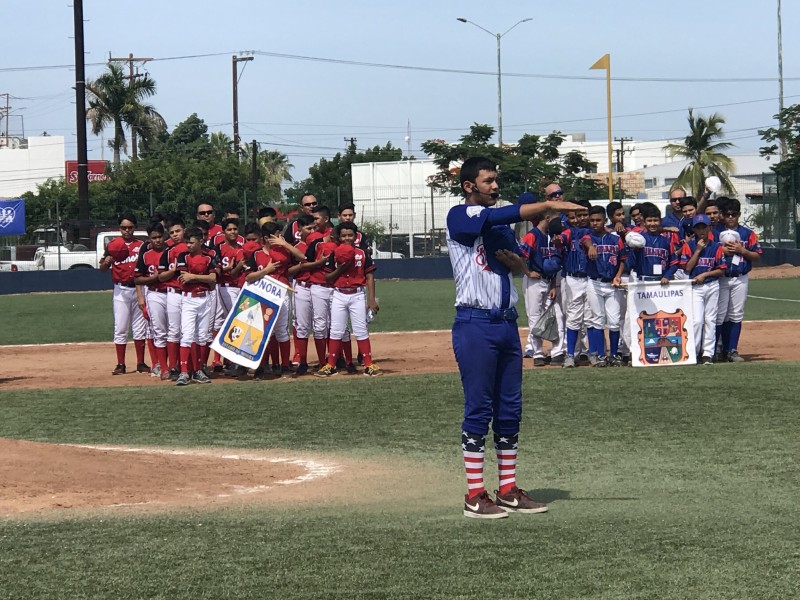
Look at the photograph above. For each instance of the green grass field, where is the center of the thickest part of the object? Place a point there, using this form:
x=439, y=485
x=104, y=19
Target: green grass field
x=405, y=306
x=676, y=483
x=668, y=484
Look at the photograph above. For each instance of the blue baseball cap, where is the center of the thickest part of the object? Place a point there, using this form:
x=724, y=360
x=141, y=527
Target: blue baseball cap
x=700, y=220
x=528, y=198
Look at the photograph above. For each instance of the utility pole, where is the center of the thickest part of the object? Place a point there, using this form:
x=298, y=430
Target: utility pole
x=130, y=60
x=235, y=64
x=255, y=173
x=780, y=82
x=7, y=116
x=80, y=118
x=351, y=142
x=621, y=152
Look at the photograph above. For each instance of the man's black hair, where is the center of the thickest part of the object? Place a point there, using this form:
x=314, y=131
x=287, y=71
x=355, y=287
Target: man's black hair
x=473, y=166
x=155, y=226
x=650, y=210
x=127, y=216
x=612, y=208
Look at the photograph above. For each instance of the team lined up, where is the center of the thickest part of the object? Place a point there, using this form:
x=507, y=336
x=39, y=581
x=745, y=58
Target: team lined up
x=176, y=289
x=579, y=261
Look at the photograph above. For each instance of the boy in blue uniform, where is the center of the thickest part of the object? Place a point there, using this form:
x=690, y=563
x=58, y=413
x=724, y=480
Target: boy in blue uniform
x=606, y=262
x=703, y=260
x=741, y=251
x=575, y=281
x=486, y=342
x=658, y=260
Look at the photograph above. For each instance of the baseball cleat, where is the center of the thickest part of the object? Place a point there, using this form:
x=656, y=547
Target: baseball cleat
x=616, y=361
x=706, y=360
x=302, y=369
x=183, y=379
x=217, y=368
x=155, y=371
x=569, y=362
x=326, y=371
x=258, y=374
x=118, y=370
x=360, y=358
x=142, y=368
x=482, y=507
x=517, y=500
x=601, y=361
x=372, y=371
x=528, y=353
x=201, y=377
x=340, y=364
x=584, y=359
x=351, y=368
x=539, y=362
x=557, y=361
x=592, y=359
x=174, y=374
x=734, y=357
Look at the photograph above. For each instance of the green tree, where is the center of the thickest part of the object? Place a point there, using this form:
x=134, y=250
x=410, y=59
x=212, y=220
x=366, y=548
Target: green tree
x=704, y=153
x=118, y=101
x=530, y=164
x=273, y=171
x=788, y=133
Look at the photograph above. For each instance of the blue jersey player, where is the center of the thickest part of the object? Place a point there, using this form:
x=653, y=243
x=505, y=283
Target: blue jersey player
x=483, y=253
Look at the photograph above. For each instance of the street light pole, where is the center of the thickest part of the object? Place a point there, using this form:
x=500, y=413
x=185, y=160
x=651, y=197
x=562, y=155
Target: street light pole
x=235, y=61
x=498, y=36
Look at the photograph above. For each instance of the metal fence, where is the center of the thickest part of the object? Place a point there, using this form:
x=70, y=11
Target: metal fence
x=773, y=214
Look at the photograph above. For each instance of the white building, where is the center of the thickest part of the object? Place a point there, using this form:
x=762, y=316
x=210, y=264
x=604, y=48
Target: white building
x=397, y=195
x=28, y=162
x=635, y=154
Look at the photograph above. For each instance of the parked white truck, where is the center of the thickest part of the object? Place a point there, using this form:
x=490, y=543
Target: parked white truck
x=53, y=258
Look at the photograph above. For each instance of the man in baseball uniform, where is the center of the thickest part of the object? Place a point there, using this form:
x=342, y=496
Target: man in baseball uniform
x=483, y=254
x=308, y=205
x=121, y=256
x=205, y=212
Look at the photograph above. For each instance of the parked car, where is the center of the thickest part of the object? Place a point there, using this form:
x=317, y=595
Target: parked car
x=381, y=254
x=72, y=256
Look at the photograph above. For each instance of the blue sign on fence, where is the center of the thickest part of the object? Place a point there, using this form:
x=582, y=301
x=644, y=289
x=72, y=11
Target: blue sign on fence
x=12, y=217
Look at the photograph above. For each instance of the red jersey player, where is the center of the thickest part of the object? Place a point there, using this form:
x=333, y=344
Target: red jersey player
x=154, y=295
x=121, y=256
x=351, y=276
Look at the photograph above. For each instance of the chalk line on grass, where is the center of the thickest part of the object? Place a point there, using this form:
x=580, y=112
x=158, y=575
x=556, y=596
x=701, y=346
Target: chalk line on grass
x=775, y=299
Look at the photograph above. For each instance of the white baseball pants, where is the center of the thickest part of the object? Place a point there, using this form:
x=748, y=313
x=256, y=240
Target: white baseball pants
x=157, y=307
x=705, y=301
x=174, y=303
x=195, y=320
x=732, y=296
x=321, y=302
x=536, y=301
x=354, y=306
x=604, y=306
x=303, y=311
x=127, y=314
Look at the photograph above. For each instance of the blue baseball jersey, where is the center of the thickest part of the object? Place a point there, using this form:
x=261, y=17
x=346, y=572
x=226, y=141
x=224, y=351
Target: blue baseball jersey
x=610, y=254
x=535, y=247
x=711, y=257
x=660, y=253
x=482, y=281
x=574, y=256
x=742, y=266
x=671, y=220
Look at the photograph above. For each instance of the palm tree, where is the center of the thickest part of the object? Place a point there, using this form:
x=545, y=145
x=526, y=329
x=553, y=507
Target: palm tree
x=116, y=100
x=704, y=154
x=273, y=167
x=221, y=144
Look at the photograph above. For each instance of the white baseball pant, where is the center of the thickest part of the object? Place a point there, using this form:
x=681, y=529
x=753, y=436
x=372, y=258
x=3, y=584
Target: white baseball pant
x=281, y=329
x=174, y=303
x=303, y=311
x=573, y=301
x=226, y=298
x=127, y=314
x=732, y=296
x=157, y=307
x=195, y=320
x=354, y=306
x=705, y=301
x=624, y=338
x=321, y=301
x=536, y=293
x=604, y=306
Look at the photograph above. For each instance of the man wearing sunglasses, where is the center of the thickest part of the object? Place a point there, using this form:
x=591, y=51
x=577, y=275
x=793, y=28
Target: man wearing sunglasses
x=308, y=204
x=205, y=212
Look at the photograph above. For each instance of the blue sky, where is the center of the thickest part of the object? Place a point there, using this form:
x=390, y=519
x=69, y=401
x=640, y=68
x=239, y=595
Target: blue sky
x=664, y=52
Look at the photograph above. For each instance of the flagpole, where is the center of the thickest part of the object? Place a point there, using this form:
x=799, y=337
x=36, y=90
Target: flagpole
x=605, y=63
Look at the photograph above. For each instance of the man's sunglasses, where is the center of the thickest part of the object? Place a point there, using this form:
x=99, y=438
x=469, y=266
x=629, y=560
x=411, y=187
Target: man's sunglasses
x=311, y=204
x=205, y=213
x=556, y=194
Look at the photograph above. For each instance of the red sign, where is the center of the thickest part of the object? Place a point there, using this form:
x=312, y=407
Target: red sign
x=97, y=170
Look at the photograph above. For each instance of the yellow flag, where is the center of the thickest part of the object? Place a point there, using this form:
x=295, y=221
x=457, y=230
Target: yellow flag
x=603, y=63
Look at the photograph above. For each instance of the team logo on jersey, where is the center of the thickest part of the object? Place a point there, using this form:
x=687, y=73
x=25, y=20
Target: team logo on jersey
x=663, y=337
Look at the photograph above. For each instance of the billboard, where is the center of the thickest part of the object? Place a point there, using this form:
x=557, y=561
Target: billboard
x=12, y=217
x=97, y=170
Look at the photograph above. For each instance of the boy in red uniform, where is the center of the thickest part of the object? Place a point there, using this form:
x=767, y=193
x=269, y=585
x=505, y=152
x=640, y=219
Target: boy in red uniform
x=197, y=275
x=320, y=245
x=303, y=308
x=154, y=295
x=230, y=258
x=274, y=259
x=351, y=274
x=121, y=256
x=169, y=276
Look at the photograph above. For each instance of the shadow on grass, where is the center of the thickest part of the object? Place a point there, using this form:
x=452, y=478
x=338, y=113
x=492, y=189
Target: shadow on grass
x=548, y=495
